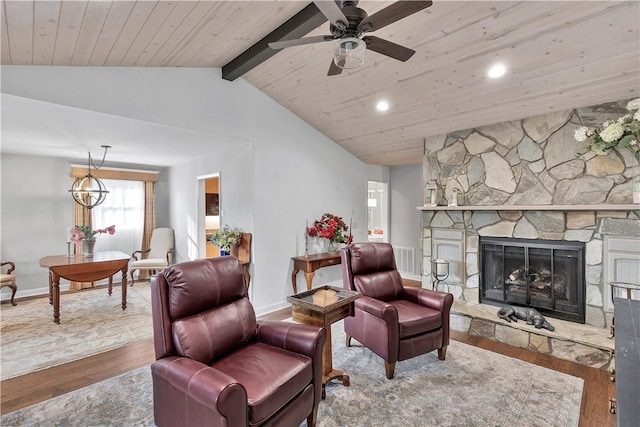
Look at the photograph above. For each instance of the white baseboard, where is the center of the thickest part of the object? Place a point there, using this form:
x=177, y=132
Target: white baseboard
x=271, y=308
x=6, y=296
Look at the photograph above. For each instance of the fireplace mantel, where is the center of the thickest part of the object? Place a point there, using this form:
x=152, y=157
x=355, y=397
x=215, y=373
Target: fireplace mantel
x=604, y=207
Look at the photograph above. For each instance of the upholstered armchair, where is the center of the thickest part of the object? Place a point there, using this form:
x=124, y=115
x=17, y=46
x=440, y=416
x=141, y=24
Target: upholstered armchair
x=216, y=365
x=395, y=322
x=9, y=279
x=157, y=257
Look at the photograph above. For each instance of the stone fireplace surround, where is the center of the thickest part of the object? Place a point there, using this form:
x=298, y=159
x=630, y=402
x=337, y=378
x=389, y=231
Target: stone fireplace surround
x=525, y=179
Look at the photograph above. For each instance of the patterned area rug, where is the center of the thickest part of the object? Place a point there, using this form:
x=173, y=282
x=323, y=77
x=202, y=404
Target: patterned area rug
x=473, y=387
x=91, y=322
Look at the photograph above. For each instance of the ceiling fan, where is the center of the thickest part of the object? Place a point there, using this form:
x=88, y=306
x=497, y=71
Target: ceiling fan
x=349, y=23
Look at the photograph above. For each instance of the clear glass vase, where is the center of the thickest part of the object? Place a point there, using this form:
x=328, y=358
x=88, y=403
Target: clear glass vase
x=333, y=246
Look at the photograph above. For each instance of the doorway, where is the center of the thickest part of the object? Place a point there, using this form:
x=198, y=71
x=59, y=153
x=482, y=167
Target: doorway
x=209, y=214
x=377, y=211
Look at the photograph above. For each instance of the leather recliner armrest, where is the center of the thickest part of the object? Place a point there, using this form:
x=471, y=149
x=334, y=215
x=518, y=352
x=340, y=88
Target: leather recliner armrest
x=304, y=339
x=377, y=308
x=440, y=301
x=210, y=387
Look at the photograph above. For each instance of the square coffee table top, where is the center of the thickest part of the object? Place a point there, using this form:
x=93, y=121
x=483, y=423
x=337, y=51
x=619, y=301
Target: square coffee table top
x=324, y=298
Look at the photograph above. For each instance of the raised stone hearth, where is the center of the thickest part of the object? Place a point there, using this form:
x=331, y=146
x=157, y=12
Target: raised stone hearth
x=570, y=341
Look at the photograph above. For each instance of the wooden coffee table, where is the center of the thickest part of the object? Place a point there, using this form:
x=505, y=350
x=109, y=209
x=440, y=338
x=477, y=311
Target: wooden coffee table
x=322, y=307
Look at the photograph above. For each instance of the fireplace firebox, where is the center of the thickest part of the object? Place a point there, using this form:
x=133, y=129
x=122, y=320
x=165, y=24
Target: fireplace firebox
x=545, y=275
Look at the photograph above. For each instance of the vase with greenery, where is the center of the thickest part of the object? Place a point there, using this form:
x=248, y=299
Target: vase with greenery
x=83, y=235
x=225, y=238
x=621, y=133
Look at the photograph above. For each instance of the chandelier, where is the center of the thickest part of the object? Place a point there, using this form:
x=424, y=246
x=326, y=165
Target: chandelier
x=88, y=190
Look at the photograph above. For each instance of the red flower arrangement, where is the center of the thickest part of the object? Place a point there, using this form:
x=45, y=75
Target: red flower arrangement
x=330, y=227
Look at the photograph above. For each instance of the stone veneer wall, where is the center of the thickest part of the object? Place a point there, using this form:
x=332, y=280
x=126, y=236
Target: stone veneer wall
x=532, y=161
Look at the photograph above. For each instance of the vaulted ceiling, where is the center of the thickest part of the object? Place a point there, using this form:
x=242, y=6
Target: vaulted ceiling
x=558, y=54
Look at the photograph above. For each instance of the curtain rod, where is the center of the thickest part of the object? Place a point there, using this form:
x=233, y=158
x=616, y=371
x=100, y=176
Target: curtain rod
x=117, y=169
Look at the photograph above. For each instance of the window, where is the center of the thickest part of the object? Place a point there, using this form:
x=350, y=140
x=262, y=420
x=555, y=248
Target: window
x=124, y=208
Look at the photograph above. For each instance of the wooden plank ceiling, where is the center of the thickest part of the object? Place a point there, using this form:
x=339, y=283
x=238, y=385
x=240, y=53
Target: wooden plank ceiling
x=559, y=55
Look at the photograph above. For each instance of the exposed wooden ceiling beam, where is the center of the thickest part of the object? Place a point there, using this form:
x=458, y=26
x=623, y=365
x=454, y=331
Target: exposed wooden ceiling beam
x=305, y=21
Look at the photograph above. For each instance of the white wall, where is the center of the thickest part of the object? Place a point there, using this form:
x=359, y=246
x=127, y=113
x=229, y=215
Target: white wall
x=378, y=173
x=405, y=186
x=278, y=173
x=36, y=214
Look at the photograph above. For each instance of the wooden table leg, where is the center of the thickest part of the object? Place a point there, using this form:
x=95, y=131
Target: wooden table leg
x=293, y=281
x=309, y=277
x=50, y=289
x=328, y=373
x=124, y=287
x=110, y=284
x=55, y=292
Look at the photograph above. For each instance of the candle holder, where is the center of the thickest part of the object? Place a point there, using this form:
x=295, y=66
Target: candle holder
x=440, y=271
x=69, y=250
x=306, y=240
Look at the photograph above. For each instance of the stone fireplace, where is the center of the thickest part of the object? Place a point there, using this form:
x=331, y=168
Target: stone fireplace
x=526, y=179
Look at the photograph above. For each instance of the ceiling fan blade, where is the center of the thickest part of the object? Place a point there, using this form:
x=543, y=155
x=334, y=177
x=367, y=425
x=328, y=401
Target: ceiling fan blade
x=391, y=14
x=334, y=70
x=333, y=13
x=297, y=42
x=388, y=48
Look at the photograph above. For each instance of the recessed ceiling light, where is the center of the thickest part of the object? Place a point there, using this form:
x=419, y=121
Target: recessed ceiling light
x=382, y=105
x=496, y=71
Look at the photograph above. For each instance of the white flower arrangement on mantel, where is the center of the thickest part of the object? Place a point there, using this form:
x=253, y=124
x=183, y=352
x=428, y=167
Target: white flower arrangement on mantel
x=623, y=133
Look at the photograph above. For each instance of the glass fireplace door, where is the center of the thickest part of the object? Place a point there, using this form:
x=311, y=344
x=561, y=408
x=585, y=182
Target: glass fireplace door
x=547, y=276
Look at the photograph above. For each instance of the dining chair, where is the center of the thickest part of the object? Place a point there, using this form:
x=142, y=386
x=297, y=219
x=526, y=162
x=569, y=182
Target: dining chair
x=8, y=279
x=157, y=257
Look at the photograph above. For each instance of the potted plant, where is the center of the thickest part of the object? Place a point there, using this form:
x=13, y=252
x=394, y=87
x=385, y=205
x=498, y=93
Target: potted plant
x=83, y=234
x=226, y=238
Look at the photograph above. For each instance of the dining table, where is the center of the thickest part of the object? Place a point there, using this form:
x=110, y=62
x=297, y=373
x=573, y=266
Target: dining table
x=80, y=268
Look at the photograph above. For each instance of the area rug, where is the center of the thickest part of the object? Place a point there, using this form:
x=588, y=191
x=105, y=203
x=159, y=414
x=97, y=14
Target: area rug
x=473, y=387
x=91, y=322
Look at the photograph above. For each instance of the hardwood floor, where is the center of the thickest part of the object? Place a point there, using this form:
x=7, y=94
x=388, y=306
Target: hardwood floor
x=38, y=386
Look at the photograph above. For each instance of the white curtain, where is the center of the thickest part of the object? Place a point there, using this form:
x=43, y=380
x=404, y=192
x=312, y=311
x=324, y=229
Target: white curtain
x=124, y=208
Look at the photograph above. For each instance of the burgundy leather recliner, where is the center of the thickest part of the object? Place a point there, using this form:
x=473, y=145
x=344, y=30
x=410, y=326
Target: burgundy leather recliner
x=395, y=322
x=216, y=365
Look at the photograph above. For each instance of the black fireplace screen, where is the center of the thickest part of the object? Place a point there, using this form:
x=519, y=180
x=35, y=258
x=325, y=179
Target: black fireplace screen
x=547, y=276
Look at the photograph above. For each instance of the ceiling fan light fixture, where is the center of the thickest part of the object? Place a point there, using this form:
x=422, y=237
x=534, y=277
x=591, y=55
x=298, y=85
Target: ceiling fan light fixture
x=349, y=52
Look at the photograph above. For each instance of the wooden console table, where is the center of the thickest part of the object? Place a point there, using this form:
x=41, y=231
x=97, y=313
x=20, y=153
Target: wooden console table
x=79, y=268
x=309, y=264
